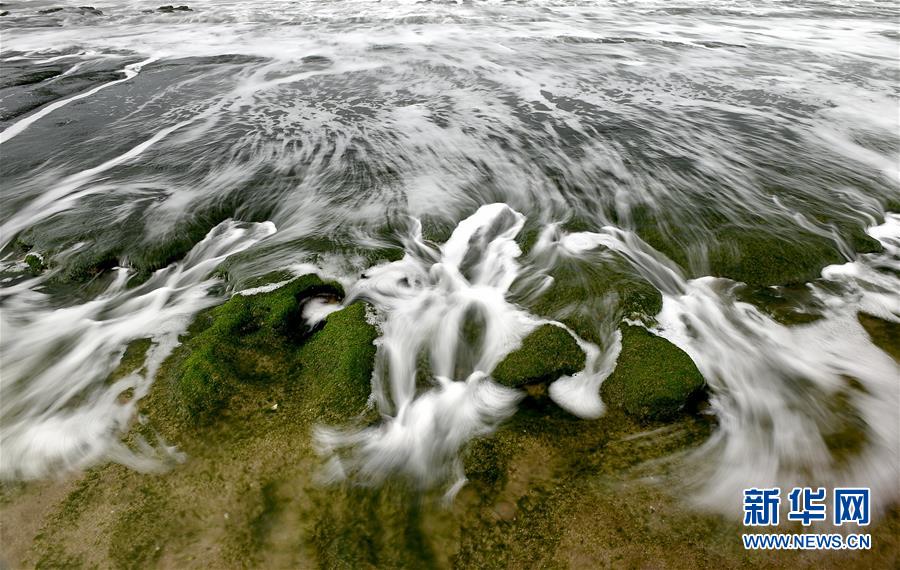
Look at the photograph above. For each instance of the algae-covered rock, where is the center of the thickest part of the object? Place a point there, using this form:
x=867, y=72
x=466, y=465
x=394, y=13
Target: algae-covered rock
x=758, y=258
x=584, y=294
x=251, y=338
x=653, y=379
x=546, y=354
x=758, y=251
x=35, y=263
x=337, y=363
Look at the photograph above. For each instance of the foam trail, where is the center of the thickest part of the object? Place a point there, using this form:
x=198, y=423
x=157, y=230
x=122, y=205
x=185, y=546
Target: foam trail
x=425, y=301
x=579, y=394
x=775, y=388
x=333, y=119
x=58, y=412
x=19, y=126
x=65, y=194
x=69, y=191
x=59, y=57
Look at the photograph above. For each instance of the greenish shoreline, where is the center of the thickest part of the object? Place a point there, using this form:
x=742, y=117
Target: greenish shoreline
x=241, y=396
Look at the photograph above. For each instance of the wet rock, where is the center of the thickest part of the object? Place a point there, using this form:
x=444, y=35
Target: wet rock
x=546, y=354
x=585, y=292
x=337, y=365
x=756, y=251
x=653, y=379
x=29, y=77
x=317, y=61
x=127, y=249
x=884, y=334
x=759, y=258
x=132, y=360
x=4, y=13
x=505, y=510
x=83, y=10
x=169, y=9
x=262, y=339
x=33, y=90
x=35, y=262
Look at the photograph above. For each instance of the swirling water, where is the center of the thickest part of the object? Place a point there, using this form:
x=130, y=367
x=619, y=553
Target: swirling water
x=141, y=150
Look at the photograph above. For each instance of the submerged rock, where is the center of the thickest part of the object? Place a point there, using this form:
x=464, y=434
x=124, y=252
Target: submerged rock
x=128, y=248
x=263, y=339
x=653, y=379
x=758, y=251
x=546, y=354
x=762, y=259
x=583, y=294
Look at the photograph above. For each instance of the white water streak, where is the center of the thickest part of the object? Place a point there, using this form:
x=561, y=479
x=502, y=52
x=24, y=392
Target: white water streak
x=775, y=387
x=426, y=300
x=19, y=126
x=57, y=412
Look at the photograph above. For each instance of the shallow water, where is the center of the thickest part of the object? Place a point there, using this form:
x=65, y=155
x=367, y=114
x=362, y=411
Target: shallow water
x=139, y=151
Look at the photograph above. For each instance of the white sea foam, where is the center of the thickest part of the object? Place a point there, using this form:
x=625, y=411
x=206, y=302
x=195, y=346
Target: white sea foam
x=336, y=119
x=58, y=412
x=427, y=300
x=774, y=387
x=16, y=128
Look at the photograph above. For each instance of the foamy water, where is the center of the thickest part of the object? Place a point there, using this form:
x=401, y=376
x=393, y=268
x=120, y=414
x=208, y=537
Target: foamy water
x=485, y=123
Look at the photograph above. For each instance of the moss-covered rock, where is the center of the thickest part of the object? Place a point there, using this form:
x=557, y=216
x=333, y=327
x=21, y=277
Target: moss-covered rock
x=132, y=360
x=546, y=354
x=758, y=258
x=169, y=9
x=107, y=244
x=337, y=364
x=584, y=293
x=35, y=263
x=252, y=338
x=546, y=490
x=653, y=379
x=757, y=250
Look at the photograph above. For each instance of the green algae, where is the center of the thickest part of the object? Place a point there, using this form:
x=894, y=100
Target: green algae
x=539, y=474
x=844, y=431
x=240, y=284
x=251, y=338
x=786, y=304
x=546, y=353
x=653, y=378
x=129, y=246
x=547, y=490
x=132, y=359
x=584, y=296
x=344, y=537
x=35, y=263
x=138, y=535
x=337, y=365
x=758, y=258
x=257, y=453
x=757, y=251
